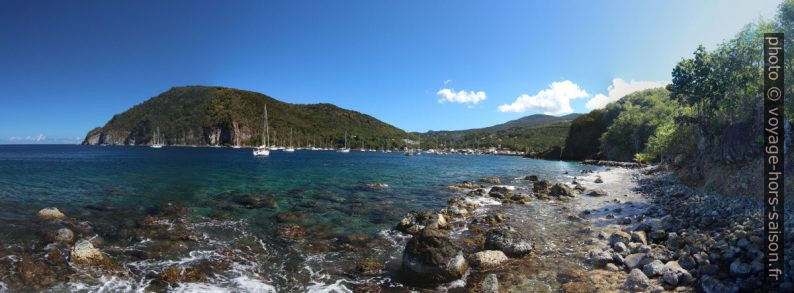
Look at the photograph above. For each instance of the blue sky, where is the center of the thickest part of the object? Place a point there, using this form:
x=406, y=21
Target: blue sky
x=69, y=66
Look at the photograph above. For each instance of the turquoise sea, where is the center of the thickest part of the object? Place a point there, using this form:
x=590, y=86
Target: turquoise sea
x=241, y=208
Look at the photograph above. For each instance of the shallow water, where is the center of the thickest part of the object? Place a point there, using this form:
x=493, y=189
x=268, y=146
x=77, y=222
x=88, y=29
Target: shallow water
x=325, y=193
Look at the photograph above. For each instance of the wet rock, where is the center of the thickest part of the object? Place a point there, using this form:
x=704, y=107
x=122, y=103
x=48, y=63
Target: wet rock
x=50, y=213
x=430, y=257
x=561, y=189
x=739, y=268
x=491, y=180
x=488, y=259
x=687, y=262
x=657, y=236
x=34, y=273
x=416, y=221
x=63, y=235
x=176, y=274
x=598, y=180
x=636, y=281
x=85, y=252
x=541, y=187
x=532, y=178
x=494, y=218
x=624, y=221
x=597, y=193
x=490, y=284
x=510, y=242
x=619, y=236
x=467, y=185
x=291, y=231
x=253, y=201
x=500, y=192
x=291, y=217
x=655, y=268
x=369, y=268
x=711, y=284
x=674, y=274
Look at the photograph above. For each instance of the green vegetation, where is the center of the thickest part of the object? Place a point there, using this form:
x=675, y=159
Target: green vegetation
x=200, y=115
x=535, y=134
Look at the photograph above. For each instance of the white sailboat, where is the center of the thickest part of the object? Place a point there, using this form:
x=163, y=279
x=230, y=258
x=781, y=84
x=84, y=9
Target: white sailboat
x=345, y=149
x=290, y=148
x=157, y=140
x=263, y=150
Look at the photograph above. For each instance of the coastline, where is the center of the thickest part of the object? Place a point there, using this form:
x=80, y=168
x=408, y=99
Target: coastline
x=648, y=233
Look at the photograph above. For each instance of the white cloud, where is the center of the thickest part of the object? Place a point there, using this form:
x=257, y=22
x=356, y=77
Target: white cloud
x=446, y=82
x=620, y=88
x=463, y=97
x=40, y=137
x=551, y=101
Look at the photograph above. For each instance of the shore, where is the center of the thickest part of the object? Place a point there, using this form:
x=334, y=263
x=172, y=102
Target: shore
x=622, y=229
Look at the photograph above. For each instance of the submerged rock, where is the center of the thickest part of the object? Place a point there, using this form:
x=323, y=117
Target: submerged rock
x=416, y=221
x=253, y=201
x=500, y=192
x=64, y=235
x=541, y=187
x=176, y=274
x=488, y=259
x=510, y=242
x=491, y=180
x=85, y=252
x=34, y=273
x=467, y=185
x=50, y=213
x=532, y=178
x=430, y=257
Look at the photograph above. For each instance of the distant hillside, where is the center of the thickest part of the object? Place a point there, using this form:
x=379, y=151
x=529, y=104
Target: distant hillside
x=534, y=133
x=202, y=115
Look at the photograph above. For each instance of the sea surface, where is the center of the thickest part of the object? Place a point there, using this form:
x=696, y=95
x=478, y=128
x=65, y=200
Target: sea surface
x=290, y=222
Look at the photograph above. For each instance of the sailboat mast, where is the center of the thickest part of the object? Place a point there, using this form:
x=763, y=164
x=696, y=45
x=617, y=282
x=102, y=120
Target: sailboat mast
x=265, y=133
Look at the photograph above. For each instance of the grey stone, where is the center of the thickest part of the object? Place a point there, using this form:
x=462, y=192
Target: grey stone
x=654, y=268
x=636, y=280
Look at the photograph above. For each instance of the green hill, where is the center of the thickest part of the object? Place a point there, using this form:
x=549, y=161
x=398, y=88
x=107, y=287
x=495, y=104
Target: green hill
x=203, y=115
x=535, y=133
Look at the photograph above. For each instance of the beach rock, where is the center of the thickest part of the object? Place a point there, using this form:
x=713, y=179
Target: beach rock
x=532, y=178
x=467, y=185
x=636, y=281
x=84, y=251
x=34, y=273
x=510, y=242
x=64, y=235
x=561, y=189
x=491, y=180
x=739, y=268
x=50, y=213
x=612, y=267
x=369, y=268
x=639, y=236
x=597, y=193
x=416, y=221
x=653, y=269
x=430, y=257
x=674, y=274
x=176, y=274
x=635, y=260
x=624, y=221
x=619, y=236
x=711, y=284
x=490, y=284
x=541, y=187
x=488, y=259
x=619, y=247
x=499, y=192
x=598, y=180
x=600, y=259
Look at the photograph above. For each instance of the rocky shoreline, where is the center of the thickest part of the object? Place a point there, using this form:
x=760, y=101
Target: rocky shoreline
x=647, y=233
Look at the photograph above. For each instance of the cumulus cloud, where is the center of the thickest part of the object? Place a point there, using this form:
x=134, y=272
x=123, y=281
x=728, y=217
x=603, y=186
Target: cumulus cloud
x=551, y=101
x=620, y=88
x=448, y=95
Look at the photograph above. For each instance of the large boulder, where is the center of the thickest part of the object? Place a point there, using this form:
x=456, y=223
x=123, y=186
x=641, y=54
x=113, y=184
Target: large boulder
x=674, y=274
x=510, y=242
x=636, y=281
x=561, y=189
x=597, y=193
x=431, y=258
x=416, y=221
x=50, y=214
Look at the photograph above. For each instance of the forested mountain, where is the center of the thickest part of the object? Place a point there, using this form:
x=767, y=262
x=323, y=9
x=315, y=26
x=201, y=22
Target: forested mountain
x=203, y=115
x=534, y=133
